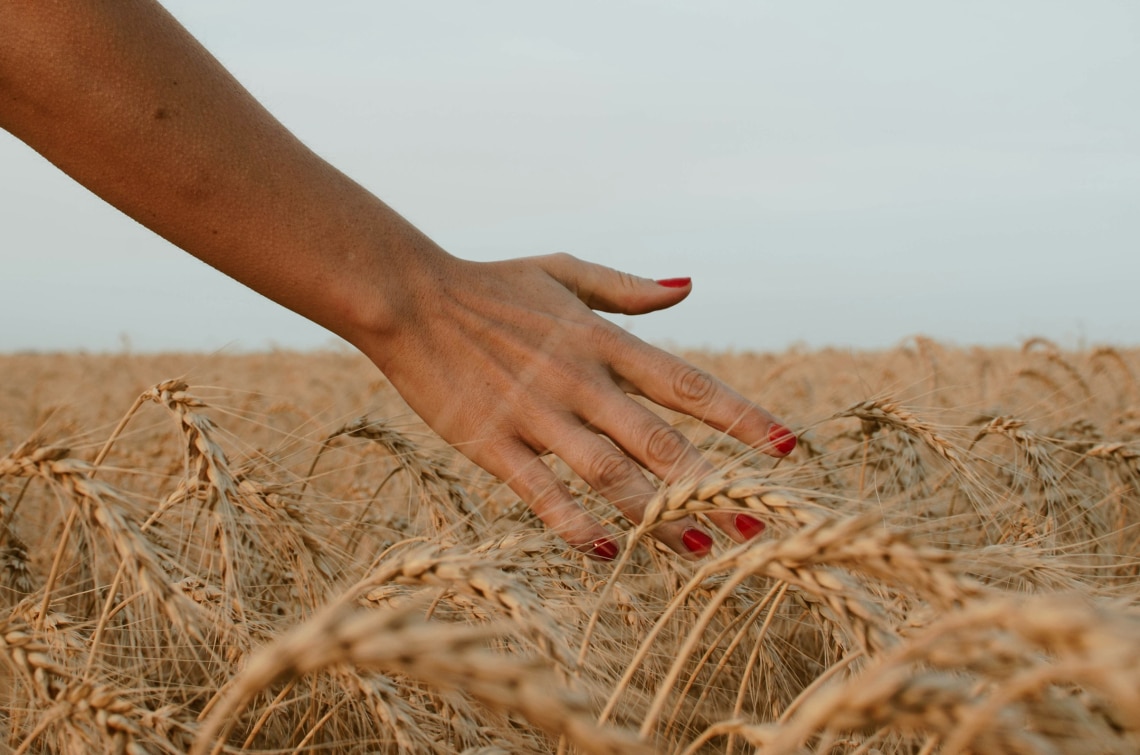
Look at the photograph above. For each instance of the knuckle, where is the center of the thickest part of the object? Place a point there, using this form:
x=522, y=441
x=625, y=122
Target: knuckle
x=664, y=446
x=560, y=260
x=544, y=495
x=607, y=338
x=628, y=281
x=694, y=386
x=558, y=510
x=493, y=455
x=611, y=471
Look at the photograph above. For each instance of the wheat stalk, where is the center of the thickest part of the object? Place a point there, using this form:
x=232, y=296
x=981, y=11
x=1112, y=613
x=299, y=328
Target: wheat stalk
x=447, y=655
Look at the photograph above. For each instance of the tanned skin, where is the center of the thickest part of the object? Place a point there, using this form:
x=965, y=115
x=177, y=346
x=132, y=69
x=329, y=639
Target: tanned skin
x=505, y=360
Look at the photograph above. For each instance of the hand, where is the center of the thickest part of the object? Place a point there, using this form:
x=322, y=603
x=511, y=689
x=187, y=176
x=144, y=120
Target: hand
x=507, y=361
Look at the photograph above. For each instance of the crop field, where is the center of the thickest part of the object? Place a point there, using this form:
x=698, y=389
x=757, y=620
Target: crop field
x=270, y=553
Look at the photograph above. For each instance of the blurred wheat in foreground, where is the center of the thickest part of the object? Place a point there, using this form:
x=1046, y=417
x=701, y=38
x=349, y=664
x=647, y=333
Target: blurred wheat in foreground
x=269, y=553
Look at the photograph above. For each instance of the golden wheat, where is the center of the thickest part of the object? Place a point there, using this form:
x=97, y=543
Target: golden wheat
x=294, y=563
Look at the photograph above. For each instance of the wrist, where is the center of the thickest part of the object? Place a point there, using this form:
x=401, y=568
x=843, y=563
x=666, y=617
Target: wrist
x=386, y=283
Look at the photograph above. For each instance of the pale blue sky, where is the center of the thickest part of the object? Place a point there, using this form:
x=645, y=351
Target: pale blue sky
x=830, y=173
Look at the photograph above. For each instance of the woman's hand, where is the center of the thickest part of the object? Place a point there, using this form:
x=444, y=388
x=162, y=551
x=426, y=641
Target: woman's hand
x=507, y=361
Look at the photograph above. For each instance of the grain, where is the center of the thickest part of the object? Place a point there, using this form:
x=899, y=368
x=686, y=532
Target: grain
x=271, y=553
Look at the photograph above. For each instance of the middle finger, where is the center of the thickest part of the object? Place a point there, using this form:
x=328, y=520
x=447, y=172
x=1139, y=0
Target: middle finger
x=617, y=477
x=664, y=451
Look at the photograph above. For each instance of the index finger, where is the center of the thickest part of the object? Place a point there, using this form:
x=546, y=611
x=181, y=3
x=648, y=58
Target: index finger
x=665, y=452
x=672, y=382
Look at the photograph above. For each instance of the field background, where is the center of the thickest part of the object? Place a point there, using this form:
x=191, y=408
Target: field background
x=270, y=553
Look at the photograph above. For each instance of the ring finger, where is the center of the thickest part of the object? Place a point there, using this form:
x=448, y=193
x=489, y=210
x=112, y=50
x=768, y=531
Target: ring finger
x=622, y=481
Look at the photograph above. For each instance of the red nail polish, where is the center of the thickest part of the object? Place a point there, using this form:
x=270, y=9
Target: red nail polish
x=696, y=541
x=782, y=438
x=748, y=526
x=674, y=282
x=604, y=550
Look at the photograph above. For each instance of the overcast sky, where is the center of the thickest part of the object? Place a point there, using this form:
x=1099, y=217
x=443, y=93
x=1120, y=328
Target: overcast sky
x=829, y=173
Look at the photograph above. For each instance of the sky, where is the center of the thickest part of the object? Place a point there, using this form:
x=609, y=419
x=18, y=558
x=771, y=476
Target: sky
x=831, y=174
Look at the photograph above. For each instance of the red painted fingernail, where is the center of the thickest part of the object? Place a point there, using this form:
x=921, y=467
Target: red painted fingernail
x=748, y=527
x=782, y=438
x=674, y=282
x=696, y=541
x=604, y=550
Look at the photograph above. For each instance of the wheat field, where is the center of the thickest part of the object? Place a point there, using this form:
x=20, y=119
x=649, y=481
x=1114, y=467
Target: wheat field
x=269, y=553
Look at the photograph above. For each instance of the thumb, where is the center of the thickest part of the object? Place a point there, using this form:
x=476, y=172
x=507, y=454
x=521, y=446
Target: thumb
x=608, y=290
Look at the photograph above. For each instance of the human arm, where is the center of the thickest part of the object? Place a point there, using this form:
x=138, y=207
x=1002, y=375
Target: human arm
x=505, y=360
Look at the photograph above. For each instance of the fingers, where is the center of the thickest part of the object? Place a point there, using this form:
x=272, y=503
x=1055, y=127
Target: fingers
x=594, y=400
x=659, y=376
x=605, y=469
x=608, y=290
x=622, y=481
x=678, y=385
x=641, y=440
x=674, y=383
x=522, y=469
x=613, y=472
x=666, y=452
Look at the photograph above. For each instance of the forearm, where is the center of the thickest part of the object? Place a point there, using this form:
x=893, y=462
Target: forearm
x=505, y=360
x=123, y=99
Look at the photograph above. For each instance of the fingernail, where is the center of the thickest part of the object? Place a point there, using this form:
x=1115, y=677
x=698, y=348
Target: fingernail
x=604, y=550
x=782, y=439
x=696, y=541
x=674, y=282
x=748, y=527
